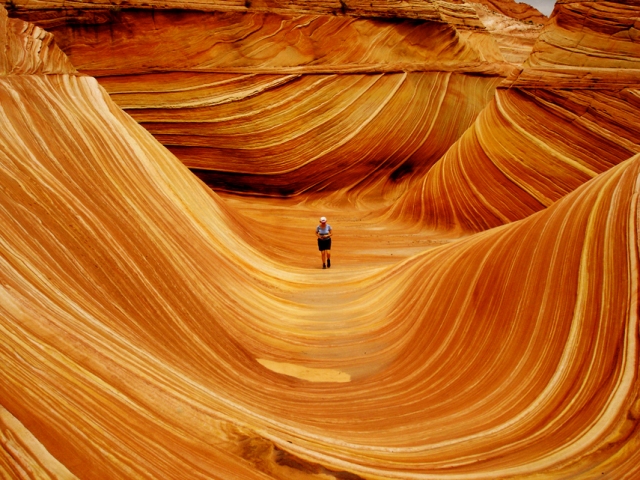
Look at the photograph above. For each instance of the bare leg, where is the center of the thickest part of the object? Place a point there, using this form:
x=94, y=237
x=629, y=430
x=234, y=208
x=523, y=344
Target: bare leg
x=324, y=257
x=328, y=258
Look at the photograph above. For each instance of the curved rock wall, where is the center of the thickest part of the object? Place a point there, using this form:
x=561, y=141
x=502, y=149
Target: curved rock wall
x=590, y=34
x=143, y=42
x=27, y=49
x=526, y=150
x=266, y=103
x=284, y=135
x=551, y=127
x=137, y=321
x=148, y=331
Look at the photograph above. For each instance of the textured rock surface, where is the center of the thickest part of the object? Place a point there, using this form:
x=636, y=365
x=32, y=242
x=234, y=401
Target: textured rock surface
x=27, y=49
x=591, y=34
x=230, y=93
x=514, y=37
x=143, y=41
x=517, y=10
x=151, y=329
x=367, y=132
x=22, y=456
x=569, y=115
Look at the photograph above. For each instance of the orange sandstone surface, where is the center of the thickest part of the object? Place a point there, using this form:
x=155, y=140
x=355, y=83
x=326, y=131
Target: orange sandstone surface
x=260, y=100
x=569, y=114
x=480, y=322
x=516, y=10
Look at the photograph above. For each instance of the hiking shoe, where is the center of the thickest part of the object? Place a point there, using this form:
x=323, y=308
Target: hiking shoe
x=329, y=263
x=324, y=266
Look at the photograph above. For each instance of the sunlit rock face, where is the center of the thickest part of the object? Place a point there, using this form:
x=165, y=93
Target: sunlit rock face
x=27, y=49
x=147, y=331
x=516, y=10
x=596, y=35
x=569, y=115
x=267, y=100
x=515, y=38
x=514, y=26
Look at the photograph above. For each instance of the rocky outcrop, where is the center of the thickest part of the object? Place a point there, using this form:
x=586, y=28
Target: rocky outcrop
x=151, y=330
x=142, y=42
x=515, y=38
x=27, y=49
x=516, y=10
x=594, y=35
x=569, y=115
x=230, y=92
x=432, y=10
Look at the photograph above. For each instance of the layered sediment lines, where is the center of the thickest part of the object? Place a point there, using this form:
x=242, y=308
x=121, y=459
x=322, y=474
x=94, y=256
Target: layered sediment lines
x=284, y=135
x=139, y=322
x=284, y=103
x=515, y=38
x=23, y=456
x=435, y=10
x=516, y=10
x=568, y=116
x=141, y=42
x=28, y=49
x=526, y=150
x=596, y=35
x=147, y=332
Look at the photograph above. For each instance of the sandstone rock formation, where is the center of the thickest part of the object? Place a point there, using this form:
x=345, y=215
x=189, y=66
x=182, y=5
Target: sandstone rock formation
x=515, y=38
x=568, y=116
x=230, y=93
x=517, y=10
x=28, y=50
x=150, y=328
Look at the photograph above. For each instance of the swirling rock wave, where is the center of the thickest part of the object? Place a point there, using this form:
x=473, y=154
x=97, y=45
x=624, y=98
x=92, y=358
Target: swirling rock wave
x=567, y=116
x=134, y=322
x=231, y=93
x=147, y=331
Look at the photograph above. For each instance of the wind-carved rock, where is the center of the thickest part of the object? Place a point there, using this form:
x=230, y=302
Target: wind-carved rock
x=516, y=10
x=26, y=49
x=515, y=38
x=148, y=332
x=568, y=115
x=266, y=100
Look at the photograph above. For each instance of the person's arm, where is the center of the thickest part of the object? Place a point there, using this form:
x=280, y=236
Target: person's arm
x=330, y=233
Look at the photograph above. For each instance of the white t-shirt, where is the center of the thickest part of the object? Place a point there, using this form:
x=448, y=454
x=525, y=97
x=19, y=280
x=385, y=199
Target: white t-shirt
x=323, y=230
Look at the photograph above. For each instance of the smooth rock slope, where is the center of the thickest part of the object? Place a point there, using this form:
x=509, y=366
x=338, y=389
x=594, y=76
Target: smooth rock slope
x=287, y=98
x=148, y=329
x=567, y=116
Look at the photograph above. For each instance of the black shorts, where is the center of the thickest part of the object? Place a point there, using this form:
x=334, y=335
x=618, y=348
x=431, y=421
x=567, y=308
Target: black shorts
x=324, y=244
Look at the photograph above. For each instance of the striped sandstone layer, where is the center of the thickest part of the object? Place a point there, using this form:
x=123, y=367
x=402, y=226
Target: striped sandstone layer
x=515, y=38
x=286, y=98
x=516, y=10
x=570, y=114
x=147, y=332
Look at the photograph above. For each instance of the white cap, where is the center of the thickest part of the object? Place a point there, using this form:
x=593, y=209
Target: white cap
x=323, y=219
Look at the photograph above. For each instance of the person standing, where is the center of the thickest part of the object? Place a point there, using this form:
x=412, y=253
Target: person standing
x=323, y=232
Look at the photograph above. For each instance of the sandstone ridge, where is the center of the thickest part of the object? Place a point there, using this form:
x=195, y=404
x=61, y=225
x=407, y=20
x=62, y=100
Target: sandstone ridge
x=563, y=118
x=245, y=82
x=153, y=328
